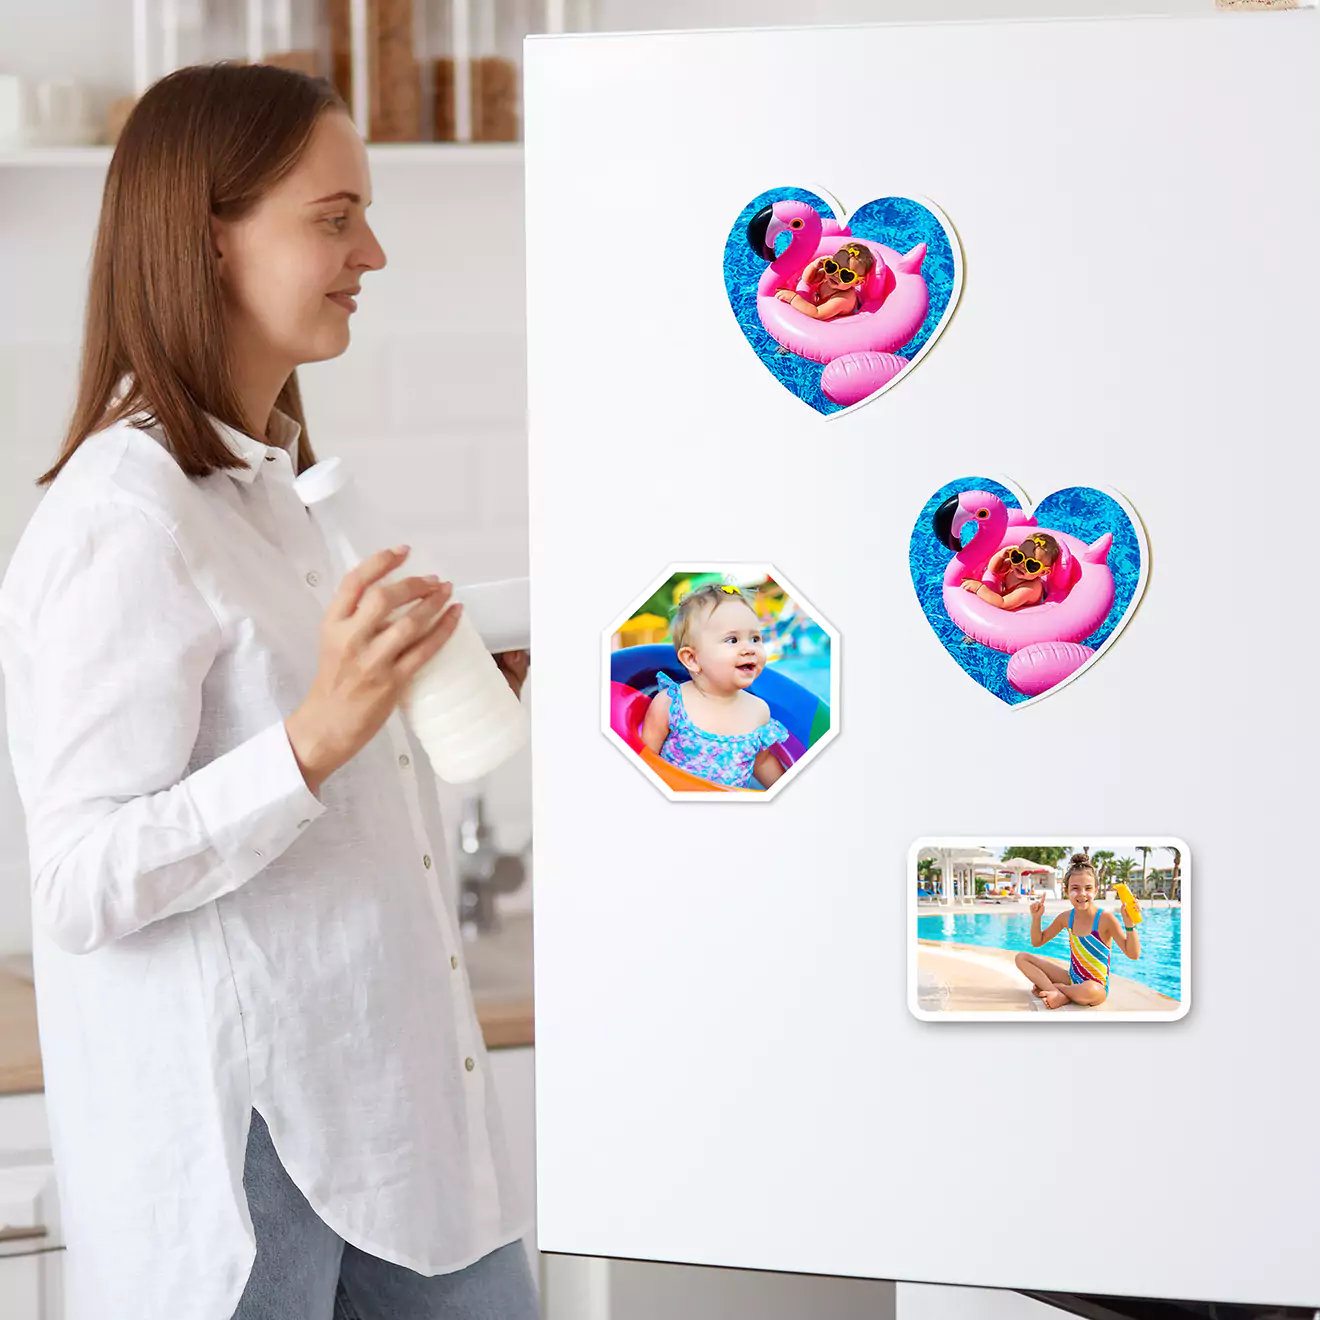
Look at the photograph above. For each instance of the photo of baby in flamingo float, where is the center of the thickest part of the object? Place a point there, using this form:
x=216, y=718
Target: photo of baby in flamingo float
x=1026, y=599
x=719, y=682
x=839, y=308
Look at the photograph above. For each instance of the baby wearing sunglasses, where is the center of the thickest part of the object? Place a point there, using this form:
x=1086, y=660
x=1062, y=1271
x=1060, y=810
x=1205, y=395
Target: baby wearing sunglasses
x=835, y=283
x=1017, y=570
x=711, y=725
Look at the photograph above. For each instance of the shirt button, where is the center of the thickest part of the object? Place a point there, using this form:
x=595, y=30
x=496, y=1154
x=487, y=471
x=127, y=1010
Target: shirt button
x=469, y=1064
x=403, y=759
x=426, y=860
x=313, y=578
x=302, y=824
x=453, y=960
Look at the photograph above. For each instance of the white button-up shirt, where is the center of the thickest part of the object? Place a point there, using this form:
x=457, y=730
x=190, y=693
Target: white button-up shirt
x=209, y=935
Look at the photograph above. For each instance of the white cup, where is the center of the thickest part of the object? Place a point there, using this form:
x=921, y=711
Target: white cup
x=62, y=113
x=18, y=112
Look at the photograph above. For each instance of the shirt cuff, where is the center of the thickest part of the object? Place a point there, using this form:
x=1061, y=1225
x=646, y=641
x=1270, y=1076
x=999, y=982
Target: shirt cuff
x=254, y=801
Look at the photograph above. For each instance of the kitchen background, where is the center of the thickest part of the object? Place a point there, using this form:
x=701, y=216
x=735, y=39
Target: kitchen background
x=427, y=406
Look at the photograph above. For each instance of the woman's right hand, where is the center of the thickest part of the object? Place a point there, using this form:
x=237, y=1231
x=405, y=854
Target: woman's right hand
x=1037, y=906
x=367, y=660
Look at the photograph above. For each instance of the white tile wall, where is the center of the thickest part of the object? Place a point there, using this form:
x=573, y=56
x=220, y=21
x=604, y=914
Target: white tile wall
x=427, y=405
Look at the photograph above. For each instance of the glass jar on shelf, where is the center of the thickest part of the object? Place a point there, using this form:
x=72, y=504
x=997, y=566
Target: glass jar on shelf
x=409, y=70
x=171, y=34
x=435, y=44
x=472, y=58
x=498, y=29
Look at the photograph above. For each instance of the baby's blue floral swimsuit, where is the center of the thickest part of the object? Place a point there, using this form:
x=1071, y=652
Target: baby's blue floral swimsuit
x=723, y=758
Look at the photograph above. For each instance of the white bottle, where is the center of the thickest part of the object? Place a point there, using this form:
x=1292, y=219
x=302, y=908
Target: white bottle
x=459, y=704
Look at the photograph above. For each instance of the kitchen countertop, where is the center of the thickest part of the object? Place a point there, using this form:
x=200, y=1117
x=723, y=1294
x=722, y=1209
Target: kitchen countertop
x=499, y=966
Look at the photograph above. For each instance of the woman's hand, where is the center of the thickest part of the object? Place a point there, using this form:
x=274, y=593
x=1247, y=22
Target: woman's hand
x=367, y=660
x=514, y=666
x=1037, y=907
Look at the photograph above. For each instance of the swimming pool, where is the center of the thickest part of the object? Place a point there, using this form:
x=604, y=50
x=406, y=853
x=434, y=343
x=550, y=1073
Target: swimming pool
x=812, y=671
x=1159, y=967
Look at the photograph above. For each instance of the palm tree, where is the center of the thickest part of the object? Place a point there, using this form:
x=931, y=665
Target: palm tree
x=1042, y=856
x=1175, y=880
x=1145, y=850
x=926, y=874
x=1101, y=860
x=1123, y=868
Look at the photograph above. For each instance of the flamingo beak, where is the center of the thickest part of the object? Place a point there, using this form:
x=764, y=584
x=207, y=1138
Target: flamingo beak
x=759, y=237
x=942, y=524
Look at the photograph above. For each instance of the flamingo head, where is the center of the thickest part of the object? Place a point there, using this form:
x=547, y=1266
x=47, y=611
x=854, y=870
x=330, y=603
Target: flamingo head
x=780, y=218
x=978, y=507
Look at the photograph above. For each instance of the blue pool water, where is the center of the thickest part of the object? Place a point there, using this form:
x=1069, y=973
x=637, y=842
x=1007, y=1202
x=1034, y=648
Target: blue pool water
x=1081, y=511
x=812, y=671
x=1159, y=967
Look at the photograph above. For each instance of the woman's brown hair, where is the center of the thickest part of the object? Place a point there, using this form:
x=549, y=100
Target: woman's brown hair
x=210, y=139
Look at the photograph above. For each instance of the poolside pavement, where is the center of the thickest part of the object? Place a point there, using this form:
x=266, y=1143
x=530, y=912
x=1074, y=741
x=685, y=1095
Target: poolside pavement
x=961, y=978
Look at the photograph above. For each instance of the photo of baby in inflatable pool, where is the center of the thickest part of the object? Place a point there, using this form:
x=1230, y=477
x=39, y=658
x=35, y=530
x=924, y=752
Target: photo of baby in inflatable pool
x=719, y=682
x=1026, y=598
x=1061, y=929
x=838, y=309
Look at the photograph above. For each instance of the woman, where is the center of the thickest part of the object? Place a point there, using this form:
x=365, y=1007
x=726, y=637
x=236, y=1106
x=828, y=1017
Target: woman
x=266, y=1085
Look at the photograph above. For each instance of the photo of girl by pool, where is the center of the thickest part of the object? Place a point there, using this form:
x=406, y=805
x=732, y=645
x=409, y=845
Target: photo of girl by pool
x=719, y=682
x=1052, y=929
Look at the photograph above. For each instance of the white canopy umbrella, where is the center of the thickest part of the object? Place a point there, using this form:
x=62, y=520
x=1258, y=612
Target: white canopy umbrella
x=957, y=868
x=1020, y=866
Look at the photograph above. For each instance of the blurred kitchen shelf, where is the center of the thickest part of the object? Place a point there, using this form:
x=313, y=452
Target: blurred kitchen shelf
x=378, y=153
x=57, y=156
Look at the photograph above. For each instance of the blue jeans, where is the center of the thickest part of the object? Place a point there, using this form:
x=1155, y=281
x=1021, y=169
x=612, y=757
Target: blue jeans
x=305, y=1271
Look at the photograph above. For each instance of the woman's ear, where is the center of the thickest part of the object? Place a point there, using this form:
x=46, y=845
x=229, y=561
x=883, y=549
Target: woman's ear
x=217, y=237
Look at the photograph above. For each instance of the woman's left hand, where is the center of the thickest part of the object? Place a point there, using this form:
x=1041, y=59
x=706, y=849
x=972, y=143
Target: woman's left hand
x=514, y=666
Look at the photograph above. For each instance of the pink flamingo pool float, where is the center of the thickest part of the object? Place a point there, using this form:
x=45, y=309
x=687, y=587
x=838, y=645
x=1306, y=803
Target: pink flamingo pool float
x=1045, y=640
x=857, y=350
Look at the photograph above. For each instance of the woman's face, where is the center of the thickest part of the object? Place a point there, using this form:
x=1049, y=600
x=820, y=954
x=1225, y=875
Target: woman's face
x=728, y=647
x=288, y=266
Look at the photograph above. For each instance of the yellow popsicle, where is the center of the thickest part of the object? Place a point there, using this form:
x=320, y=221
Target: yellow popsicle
x=1129, y=902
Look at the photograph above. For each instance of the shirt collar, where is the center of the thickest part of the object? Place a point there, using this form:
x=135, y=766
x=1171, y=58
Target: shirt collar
x=284, y=433
x=284, y=430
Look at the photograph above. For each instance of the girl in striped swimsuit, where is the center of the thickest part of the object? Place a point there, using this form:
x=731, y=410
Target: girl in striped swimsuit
x=1091, y=935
